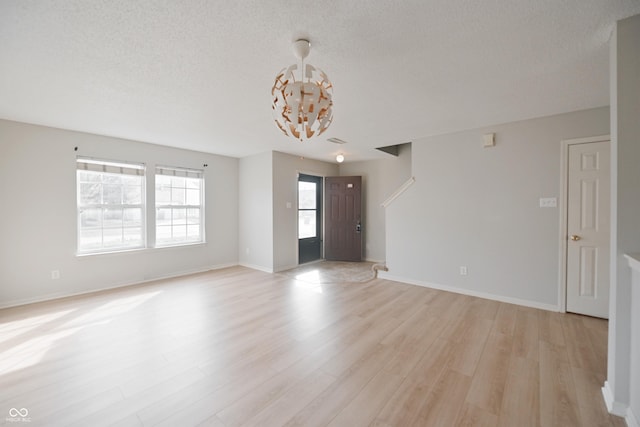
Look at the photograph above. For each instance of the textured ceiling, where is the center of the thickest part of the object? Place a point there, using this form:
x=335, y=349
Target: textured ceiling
x=197, y=74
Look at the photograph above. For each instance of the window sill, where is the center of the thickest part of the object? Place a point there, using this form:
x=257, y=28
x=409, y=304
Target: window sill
x=114, y=252
x=180, y=245
x=138, y=250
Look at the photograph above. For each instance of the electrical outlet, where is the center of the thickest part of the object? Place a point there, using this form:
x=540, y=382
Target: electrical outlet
x=463, y=270
x=55, y=274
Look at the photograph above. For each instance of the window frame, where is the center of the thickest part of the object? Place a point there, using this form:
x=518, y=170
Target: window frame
x=185, y=173
x=105, y=167
x=317, y=209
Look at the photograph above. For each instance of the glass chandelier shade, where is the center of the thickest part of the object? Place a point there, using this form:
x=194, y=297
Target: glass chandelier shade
x=302, y=104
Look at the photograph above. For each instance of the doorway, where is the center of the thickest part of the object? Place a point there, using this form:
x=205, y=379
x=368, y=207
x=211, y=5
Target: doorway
x=343, y=218
x=586, y=225
x=309, y=218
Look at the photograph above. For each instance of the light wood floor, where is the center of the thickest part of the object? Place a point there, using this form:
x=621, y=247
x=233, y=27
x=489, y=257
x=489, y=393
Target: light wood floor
x=241, y=347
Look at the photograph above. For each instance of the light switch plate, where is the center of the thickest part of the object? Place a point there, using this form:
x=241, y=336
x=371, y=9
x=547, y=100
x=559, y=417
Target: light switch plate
x=489, y=140
x=548, y=202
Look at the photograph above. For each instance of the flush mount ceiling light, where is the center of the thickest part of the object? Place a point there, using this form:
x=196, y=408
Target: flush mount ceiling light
x=302, y=105
x=340, y=158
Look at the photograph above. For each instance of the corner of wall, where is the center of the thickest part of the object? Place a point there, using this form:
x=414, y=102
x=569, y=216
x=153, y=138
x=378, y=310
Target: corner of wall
x=615, y=408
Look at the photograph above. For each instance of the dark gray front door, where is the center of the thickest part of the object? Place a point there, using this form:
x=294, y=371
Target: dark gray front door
x=343, y=219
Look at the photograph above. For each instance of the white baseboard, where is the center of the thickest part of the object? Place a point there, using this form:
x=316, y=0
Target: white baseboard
x=631, y=419
x=284, y=268
x=257, y=267
x=509, y=300
x=615, y=408
x=58, y=295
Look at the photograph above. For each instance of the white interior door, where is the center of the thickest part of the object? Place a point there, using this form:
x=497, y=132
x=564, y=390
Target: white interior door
x=588, y=216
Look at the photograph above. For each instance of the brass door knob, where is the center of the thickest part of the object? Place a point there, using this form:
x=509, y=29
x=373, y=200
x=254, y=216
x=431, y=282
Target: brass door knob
x=574, y=237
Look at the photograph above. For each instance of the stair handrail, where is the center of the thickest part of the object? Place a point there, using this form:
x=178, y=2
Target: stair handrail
x=398, y=192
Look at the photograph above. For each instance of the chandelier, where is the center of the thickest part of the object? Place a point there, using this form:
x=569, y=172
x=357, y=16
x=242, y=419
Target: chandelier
x=302, y=97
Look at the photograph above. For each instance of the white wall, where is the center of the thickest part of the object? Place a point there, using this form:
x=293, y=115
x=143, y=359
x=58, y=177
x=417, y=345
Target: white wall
x=256, y=212
x=380, y=178
x=285, y=190
x=478, y=207
x=625, y=198
x=38, y=222
x=268, y=228
x=634, y=355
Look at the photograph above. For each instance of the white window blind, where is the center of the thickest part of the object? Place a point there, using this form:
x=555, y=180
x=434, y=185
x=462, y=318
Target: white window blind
x=179, y=206
x=186, y=173
x=110, y=205
x=110, y=167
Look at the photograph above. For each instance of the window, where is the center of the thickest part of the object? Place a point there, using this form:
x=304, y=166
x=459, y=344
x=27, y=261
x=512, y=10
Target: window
x=307, y=209
x=111, y=206
x=179, y=206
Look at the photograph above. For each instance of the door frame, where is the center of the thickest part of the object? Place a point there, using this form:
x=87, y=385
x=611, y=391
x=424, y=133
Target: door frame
x=297, y=240
x=564, y=212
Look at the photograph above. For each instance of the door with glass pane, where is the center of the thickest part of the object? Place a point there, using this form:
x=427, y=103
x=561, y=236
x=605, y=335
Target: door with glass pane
x=309, y=218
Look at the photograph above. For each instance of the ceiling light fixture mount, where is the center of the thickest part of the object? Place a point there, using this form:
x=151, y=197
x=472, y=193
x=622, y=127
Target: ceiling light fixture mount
x=302, y=104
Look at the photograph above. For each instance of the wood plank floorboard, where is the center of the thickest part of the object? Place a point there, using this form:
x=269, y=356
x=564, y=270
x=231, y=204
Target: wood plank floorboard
x=240, y=347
